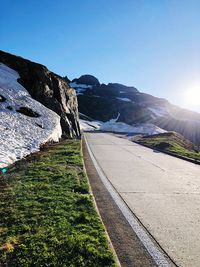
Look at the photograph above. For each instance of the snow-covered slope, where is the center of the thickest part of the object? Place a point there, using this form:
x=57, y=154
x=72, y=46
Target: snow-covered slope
x=90, y=125
x=121, y=127
x=80, y=88
x=22, y=134
x=142, y=128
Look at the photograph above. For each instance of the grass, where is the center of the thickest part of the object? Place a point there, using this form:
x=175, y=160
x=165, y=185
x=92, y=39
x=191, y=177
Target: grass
x=172, y=142
x=47, y=215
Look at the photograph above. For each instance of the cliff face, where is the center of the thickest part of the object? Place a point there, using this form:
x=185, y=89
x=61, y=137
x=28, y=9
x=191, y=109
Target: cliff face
x=47, y=88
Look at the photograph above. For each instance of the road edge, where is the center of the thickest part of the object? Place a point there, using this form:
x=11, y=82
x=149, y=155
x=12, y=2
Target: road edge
x=98, y=212
x=194, y=161
x=159, y=256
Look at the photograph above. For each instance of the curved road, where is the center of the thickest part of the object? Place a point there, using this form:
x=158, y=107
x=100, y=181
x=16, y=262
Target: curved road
x=161, y=190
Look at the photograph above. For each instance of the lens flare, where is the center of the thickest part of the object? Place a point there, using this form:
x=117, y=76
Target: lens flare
x=192, y=97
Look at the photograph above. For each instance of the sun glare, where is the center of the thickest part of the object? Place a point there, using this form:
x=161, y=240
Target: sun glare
x=192, y=96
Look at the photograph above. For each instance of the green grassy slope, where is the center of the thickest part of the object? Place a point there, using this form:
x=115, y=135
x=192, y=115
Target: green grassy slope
x=47, y=215
x=172, y=142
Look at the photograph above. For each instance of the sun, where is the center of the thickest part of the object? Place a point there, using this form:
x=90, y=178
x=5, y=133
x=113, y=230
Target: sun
x=192, y=97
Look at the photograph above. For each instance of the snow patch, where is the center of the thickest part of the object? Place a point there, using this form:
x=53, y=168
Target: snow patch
x=124, y=99
x=143, y=128
x=21, y=135
x=80, y=88
x=121, y=127
x=79, y=85
x=89, y=125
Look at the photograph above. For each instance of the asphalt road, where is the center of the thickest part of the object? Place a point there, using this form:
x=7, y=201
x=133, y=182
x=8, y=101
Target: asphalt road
x=161, y=190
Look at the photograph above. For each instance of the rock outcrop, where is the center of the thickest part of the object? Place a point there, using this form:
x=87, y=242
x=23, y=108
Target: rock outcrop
x=87, y=80
x=25, y=124
x=47, y=88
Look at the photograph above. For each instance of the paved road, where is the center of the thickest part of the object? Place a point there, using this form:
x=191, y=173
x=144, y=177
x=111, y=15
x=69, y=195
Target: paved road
x=162, y=191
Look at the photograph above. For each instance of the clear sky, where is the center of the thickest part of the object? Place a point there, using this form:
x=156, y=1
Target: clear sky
x=153, y=45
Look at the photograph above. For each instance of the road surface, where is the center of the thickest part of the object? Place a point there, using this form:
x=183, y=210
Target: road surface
x=161, y=190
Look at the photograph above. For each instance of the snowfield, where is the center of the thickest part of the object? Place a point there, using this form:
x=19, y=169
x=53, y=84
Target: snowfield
x=90, y=125
x=120, y=127
x=142, y=128
x=22, y=134
x=80, y=88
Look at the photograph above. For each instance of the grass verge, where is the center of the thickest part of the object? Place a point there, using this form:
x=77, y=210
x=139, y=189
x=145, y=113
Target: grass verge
x=47, y=215
x=171, y=142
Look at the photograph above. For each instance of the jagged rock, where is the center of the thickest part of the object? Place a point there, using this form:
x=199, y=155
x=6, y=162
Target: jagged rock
x=87, y=79
x=49, y=89
x=66, y=79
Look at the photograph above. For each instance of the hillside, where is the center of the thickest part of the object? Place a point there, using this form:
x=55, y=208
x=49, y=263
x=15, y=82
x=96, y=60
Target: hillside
x=36, y=107
x=171, y=142
x=47, y=214
x=104, y=102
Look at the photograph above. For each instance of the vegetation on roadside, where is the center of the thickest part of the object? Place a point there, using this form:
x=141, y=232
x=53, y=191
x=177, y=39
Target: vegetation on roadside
x=172, y=142
x=47, y=215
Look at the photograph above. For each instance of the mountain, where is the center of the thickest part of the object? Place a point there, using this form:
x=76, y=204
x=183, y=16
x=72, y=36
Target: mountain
x=36, y=106
x=104, y=102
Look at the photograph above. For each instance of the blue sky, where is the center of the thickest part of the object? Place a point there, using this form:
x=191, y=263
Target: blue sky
x=153, y=45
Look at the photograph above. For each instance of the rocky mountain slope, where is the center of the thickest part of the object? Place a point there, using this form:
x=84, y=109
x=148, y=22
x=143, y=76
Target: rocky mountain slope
x=47, y=88
x=36, y=106
x=25, y=124
x=104, y=102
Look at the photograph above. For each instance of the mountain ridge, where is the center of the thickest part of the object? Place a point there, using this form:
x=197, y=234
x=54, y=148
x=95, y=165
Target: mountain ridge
x=103, y=102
